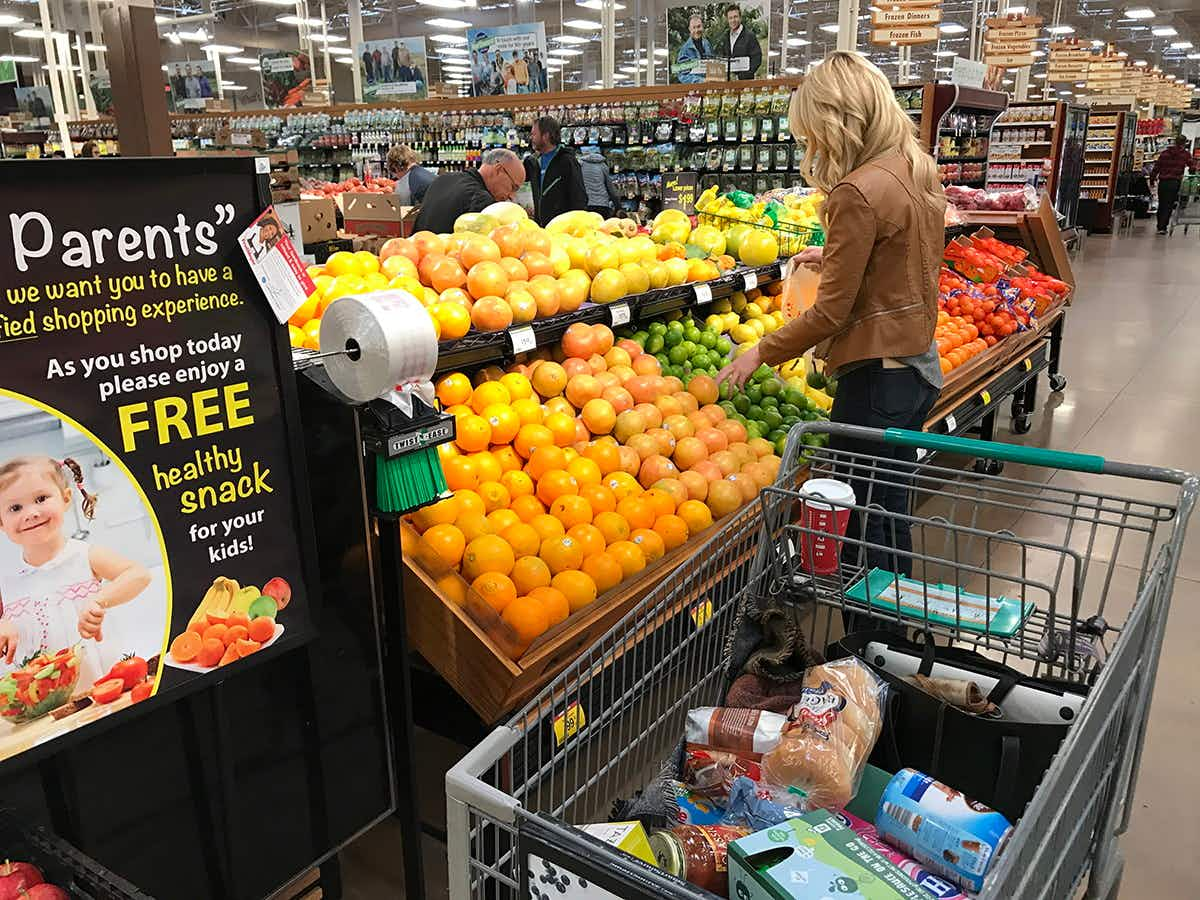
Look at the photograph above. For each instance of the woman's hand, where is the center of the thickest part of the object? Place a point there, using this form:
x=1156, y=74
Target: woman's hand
x=810, y=258
x=739, y=371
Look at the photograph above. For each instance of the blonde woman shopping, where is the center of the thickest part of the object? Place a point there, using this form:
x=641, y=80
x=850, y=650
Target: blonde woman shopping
x=876, y=306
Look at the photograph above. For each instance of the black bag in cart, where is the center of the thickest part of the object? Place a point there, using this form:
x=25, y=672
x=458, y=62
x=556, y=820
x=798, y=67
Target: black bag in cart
x=996, y=758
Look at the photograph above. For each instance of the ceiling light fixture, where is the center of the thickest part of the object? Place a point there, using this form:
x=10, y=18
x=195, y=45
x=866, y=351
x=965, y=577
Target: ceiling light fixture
x=661, y=51
x=223, y=49
x=1181, y=45
x=228, y=86
x=1139, y=12
x=597, y=4
x=797, y=42
x=454, y=51
x=1139, y=62
x=243, y=60
x=566, y=51
x=36, y=34
x=448, y=38
x=944, y=69
x=952, y=28
x=570, y=39
x=7, y=21
x=444, y=4
x=447, y=23
x=17, y=58
x=327, y=38
x=299, y=20
x=582, y=24
x=277, y=3
x=945, y=53
x=1037, y=53
x=1163, y=31
x=95, y=48
x=829, y=27
x=1061, y=29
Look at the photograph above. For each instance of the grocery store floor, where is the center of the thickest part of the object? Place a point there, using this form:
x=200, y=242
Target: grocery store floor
x=1133, y=368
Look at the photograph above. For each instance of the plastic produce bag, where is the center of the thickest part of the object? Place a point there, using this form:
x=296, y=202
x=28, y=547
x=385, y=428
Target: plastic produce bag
x=830, y=734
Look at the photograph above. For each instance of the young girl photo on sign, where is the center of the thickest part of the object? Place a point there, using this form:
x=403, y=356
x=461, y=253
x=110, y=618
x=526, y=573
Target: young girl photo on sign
x=80, y=621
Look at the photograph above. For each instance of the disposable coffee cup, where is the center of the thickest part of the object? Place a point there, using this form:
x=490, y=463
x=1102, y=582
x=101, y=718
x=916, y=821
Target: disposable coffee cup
x=824, y=515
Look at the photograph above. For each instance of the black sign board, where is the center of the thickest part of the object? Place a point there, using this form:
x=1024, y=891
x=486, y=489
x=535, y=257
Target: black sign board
x=154, y=502
x=679, y=191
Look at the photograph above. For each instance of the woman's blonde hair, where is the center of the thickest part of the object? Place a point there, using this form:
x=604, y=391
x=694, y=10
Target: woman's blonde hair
x=845, y=114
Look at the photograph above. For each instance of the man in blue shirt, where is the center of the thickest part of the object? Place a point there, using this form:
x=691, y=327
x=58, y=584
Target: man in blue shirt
x=695, y=48
x=553, y=172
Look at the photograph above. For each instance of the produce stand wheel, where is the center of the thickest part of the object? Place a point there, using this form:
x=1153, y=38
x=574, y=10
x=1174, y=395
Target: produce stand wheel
x=1058, y=382
x=989, y=466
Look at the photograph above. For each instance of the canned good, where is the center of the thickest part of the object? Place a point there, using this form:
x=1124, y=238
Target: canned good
x=697, y=853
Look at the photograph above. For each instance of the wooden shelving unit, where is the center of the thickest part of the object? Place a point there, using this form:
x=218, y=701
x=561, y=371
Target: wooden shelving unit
x=1107, y=162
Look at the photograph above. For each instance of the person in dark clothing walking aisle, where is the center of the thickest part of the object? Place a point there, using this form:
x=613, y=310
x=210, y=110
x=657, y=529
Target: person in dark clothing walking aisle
x=553, y=173
x=1168, y=171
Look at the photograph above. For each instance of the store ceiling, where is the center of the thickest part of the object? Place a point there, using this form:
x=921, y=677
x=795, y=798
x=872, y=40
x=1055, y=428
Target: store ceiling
x=252, y=23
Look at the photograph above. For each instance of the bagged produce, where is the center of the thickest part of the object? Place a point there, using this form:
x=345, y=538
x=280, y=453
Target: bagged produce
x=829, y=734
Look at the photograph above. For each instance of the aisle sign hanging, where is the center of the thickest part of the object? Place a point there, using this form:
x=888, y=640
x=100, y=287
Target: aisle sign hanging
x=156, y=526
x=905, y=22
x=1009, y=41
x=1068, y=61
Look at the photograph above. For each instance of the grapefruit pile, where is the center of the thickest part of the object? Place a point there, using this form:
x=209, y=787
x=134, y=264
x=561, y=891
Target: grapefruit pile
x=489, y=275
x=572, y=474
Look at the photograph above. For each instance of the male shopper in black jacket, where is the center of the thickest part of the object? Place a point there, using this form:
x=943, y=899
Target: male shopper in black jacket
x=499, y=176
x=553, y=173
x=740, y=46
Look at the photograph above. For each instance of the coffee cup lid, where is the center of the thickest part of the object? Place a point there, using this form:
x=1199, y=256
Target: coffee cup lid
x=828, y=489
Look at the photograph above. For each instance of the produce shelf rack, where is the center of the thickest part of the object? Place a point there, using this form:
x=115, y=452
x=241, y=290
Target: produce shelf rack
x=62, y=865
x=477, y=348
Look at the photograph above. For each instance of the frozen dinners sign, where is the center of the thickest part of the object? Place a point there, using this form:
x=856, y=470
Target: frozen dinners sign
x=155, y=514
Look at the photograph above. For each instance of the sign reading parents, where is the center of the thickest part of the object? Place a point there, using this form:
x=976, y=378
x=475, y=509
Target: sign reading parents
x=136, y=336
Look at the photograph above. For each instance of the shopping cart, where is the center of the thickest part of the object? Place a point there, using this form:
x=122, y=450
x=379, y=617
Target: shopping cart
x=1187, y=208
x=1097, y=567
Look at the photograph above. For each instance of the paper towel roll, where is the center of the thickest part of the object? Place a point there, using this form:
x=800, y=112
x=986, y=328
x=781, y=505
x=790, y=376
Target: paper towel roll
x=390, y=339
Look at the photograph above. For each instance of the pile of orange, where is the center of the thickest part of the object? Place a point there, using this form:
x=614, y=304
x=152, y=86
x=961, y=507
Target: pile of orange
x=571, y=475
x=957, y=340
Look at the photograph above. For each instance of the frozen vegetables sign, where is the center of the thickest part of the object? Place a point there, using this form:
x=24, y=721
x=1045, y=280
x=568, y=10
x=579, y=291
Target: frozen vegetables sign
x=148, y=507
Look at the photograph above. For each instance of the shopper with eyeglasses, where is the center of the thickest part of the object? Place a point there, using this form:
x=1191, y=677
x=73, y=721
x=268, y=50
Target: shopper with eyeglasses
x=499, y=177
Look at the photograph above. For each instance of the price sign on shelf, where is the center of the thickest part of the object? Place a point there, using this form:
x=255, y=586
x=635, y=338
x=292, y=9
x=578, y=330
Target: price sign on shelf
x=751, y=281
x=703, y=293
x=619, y=313
x=951, y=424
x=568, y=723
x=522, y=338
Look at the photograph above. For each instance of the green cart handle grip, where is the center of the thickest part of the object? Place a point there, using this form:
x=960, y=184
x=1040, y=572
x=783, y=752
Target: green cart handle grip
x=1034, y=456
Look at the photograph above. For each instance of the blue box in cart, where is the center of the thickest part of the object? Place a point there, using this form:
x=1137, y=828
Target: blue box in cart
x=811, y=857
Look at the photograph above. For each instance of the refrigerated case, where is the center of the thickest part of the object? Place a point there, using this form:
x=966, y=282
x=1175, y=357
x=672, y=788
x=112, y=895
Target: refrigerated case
x=1070, y=166
x=954, y=122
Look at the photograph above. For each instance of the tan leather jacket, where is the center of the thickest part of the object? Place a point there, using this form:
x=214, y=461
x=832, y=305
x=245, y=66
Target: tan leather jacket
x=879, y=273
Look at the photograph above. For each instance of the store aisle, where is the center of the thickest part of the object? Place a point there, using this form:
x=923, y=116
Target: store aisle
x=1130, y=359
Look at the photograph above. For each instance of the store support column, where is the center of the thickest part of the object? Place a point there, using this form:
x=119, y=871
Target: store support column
x=847, y=24
x=135, y=68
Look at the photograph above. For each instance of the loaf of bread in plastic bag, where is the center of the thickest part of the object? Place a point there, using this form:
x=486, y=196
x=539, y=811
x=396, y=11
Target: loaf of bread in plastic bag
x=829, y=735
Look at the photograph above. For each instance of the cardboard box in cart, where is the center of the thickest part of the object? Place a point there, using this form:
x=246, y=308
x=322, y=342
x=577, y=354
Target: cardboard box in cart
x=374, y=214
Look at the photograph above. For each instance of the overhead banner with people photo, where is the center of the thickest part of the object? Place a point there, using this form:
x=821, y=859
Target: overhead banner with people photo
x=151, y=506
x=393, y=68
x=734, y=35
x=37, y=102
x=192, y=82
x=286, y=77
x=509, y=59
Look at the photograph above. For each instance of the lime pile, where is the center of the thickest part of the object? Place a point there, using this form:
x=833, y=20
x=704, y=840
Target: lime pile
x=769, y=407
x=683, y=348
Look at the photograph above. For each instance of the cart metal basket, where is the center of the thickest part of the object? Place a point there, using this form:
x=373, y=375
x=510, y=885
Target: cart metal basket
x=1096, y=566
x=1187, y=207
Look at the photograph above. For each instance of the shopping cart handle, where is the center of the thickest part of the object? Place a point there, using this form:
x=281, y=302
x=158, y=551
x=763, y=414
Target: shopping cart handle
x=1033, y=456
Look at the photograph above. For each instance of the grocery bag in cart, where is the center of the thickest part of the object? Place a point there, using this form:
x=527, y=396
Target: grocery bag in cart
x=1088, y=557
